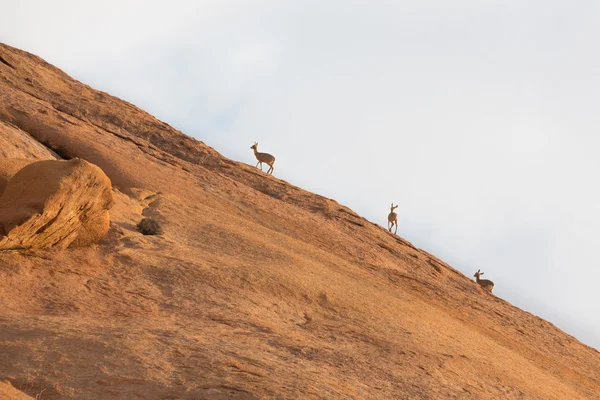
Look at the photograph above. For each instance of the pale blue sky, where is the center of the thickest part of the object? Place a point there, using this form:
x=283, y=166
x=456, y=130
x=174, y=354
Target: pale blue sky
x=480, y=119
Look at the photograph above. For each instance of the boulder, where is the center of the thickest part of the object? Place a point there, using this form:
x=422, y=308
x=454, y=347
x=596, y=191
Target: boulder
x=53, y=204
x=9, y=167
x=92, y=231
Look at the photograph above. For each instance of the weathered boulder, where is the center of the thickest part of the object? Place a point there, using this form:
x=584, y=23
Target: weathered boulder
x=53, y=204
x=92, y=231
x=9, y=167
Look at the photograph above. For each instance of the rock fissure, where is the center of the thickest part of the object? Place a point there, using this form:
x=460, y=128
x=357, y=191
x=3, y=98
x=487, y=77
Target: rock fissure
x=3, y=61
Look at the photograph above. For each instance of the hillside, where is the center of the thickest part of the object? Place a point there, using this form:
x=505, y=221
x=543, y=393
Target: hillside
x=256, y=290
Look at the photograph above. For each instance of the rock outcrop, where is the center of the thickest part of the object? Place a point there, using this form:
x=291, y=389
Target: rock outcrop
x=53, y=204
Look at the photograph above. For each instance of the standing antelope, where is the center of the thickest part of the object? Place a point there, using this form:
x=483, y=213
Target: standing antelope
x=484, y=283
x=263, y=158
x=393, y=219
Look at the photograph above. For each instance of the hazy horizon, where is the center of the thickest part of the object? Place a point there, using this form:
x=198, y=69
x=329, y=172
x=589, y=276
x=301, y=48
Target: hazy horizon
x=479, y=120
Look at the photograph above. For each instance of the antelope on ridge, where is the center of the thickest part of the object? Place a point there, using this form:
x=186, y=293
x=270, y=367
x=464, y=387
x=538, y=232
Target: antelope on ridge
x=393, y=219
x=484, y=283
x=263, y=158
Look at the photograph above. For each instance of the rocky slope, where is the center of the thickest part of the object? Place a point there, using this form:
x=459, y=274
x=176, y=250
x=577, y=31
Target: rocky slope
x=256, y=290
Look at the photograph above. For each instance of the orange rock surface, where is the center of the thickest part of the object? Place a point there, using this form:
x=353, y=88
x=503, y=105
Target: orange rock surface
x=9, y=167
x=256, y=290
x=8, y=392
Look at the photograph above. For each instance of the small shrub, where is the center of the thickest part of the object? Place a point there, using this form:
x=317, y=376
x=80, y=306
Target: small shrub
x=150, y=226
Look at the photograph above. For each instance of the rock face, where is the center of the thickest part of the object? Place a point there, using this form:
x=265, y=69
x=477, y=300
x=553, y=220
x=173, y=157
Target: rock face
x=9, y=167
x=15, y=143
x=53, y=204
x=256, y=290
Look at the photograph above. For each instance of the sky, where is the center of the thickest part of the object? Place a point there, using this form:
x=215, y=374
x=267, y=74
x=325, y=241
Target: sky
x=479, y=118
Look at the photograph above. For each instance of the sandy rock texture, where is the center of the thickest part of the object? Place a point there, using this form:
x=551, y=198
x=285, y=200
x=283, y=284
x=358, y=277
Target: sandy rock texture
x=54, y=203
x=9, y=167
x=18, y=149
x=256, y=290
x=8, y=392
x=14, y=143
